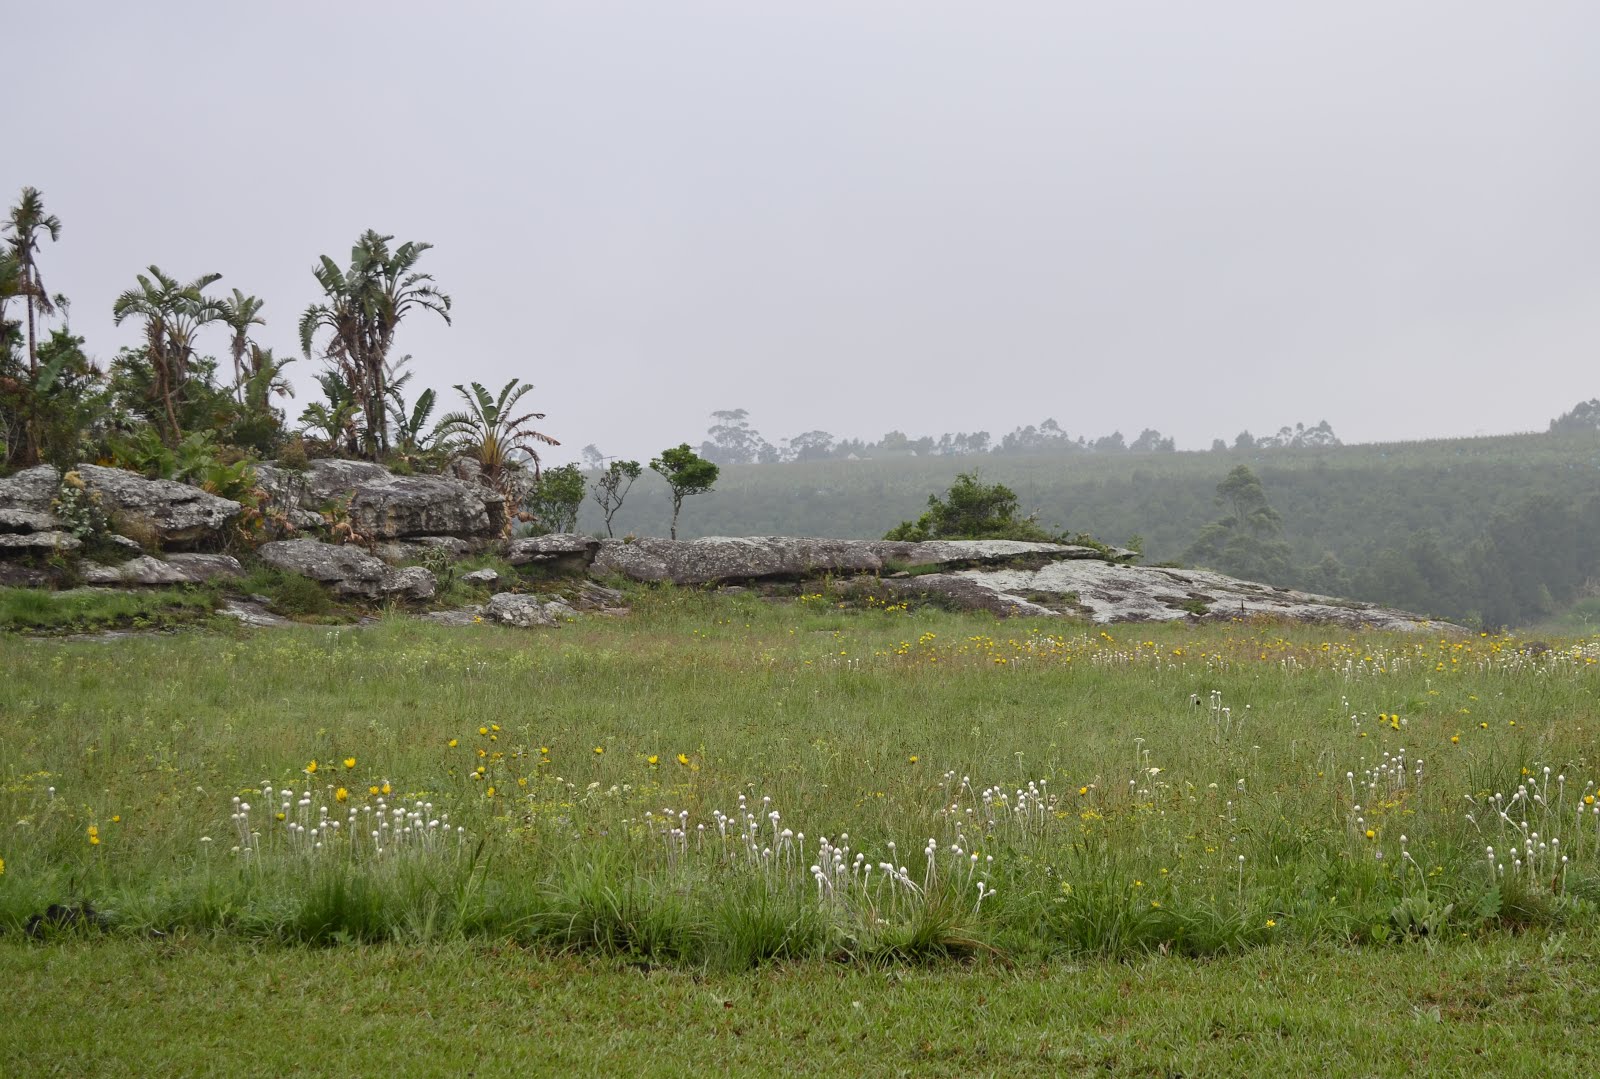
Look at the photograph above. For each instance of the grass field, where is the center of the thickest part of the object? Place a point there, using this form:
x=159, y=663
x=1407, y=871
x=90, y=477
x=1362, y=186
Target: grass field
x=1153, y=849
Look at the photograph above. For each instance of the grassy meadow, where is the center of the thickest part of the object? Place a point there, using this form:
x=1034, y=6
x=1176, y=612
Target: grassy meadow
x=760, y=835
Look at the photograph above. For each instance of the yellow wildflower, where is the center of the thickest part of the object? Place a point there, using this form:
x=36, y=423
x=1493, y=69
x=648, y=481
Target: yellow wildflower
x=311, y=769
x=652, y=760
x=452, y=743
x=683, y=758
x=349, y=762
x=341, y=795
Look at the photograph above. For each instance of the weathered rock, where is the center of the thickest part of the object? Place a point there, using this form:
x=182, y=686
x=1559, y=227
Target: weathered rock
x=30, y=489
x=517, y=609
x=167, y=513
x=200, y=568
x=560, y=611
x=481, y=576
x=563, y=549
x=589, y=596
x=144, y=571
x=717, y=559
x=37, y=542
x=384, y=506
x=422, y=547
x=412, y=582
x=253, y=614
x=1104, y=592
x=725, y=559
x=16, y=520
x=463, y=616
x=346, y=570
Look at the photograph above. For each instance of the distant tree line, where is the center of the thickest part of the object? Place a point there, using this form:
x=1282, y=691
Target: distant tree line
x=731, y=440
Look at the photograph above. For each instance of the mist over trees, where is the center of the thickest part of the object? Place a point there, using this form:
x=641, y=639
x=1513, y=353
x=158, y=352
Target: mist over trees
x=732, y=440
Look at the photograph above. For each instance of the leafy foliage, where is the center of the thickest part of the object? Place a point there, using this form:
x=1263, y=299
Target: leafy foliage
x=686, y=473
x=971, y=509
x=555, y=498
x=611, y=486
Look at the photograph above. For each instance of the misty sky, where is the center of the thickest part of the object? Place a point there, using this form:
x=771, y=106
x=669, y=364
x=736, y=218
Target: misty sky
x=865, y=216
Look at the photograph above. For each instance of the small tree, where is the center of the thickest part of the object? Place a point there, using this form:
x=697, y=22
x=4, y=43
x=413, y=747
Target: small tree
x=612, y=486
x=555, y=498
x=971, y=509
x=687, y=473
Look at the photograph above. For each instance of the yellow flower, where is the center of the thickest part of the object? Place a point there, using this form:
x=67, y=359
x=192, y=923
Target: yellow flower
x=1083, y=790
x=490, y=792
x=280, y=816
x=1588, y=799
x=311, y=769
x=2, y=867
x=544, y=751
x=483, y=730
x=494, y=726
x=683, y=758
x=522, y=781
x=1271, y=922
x=452, y=743
x=1483, y=726
x=349, y=762
x=372, y=789
x=116, y=818
x=386, y=788
x=1455, y=739
x=912, y=758
x=599, y=749
x=341, y=795
x=1371, y=834
x=94, y=836
x=479, y=771
x=652, y=760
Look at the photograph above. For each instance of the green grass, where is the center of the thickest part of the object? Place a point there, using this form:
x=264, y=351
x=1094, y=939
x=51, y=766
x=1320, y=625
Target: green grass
x=1511, y=1006
x=36, y=610
x=1116, y=777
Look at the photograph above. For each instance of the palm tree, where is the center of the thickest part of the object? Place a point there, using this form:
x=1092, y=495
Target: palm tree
x=334, y=418
x=489, y=432
x=173, y=315
x=362, y=307
x=240, y=313
x=27, y=221
x=410, y=424
x=10, y=289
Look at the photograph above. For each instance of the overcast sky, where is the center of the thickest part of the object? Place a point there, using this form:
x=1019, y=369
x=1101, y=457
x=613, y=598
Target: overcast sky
x=865, y=216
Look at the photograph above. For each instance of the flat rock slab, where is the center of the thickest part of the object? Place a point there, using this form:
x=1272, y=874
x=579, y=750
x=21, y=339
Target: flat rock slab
x=729, y=559
x=557, y=547
x=1105, y=592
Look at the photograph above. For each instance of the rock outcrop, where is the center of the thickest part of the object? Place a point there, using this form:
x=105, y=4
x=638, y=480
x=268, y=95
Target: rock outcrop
x=149, y=572
x=159, y=514
x=1003, y=576
x=732, y=559
x=385, y=507
x=347, y=571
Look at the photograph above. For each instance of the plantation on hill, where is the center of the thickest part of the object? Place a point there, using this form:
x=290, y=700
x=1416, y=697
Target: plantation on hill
x=1503, y=529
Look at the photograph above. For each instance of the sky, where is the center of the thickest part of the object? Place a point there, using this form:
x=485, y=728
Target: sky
x=864, y=217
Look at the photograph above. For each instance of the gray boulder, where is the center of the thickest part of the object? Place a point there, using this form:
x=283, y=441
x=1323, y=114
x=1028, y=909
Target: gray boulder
x=206, y=567
x=561, y=552
x=31, y=489
x=516, y=609
x=384, y=506
x=481, y=576
x=347, y=571
x=164, y=512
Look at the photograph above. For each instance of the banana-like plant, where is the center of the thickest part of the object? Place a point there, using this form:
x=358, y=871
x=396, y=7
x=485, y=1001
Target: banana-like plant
x=488, y=431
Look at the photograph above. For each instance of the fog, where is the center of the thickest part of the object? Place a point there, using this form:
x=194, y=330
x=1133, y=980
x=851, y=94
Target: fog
x=864, y=217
